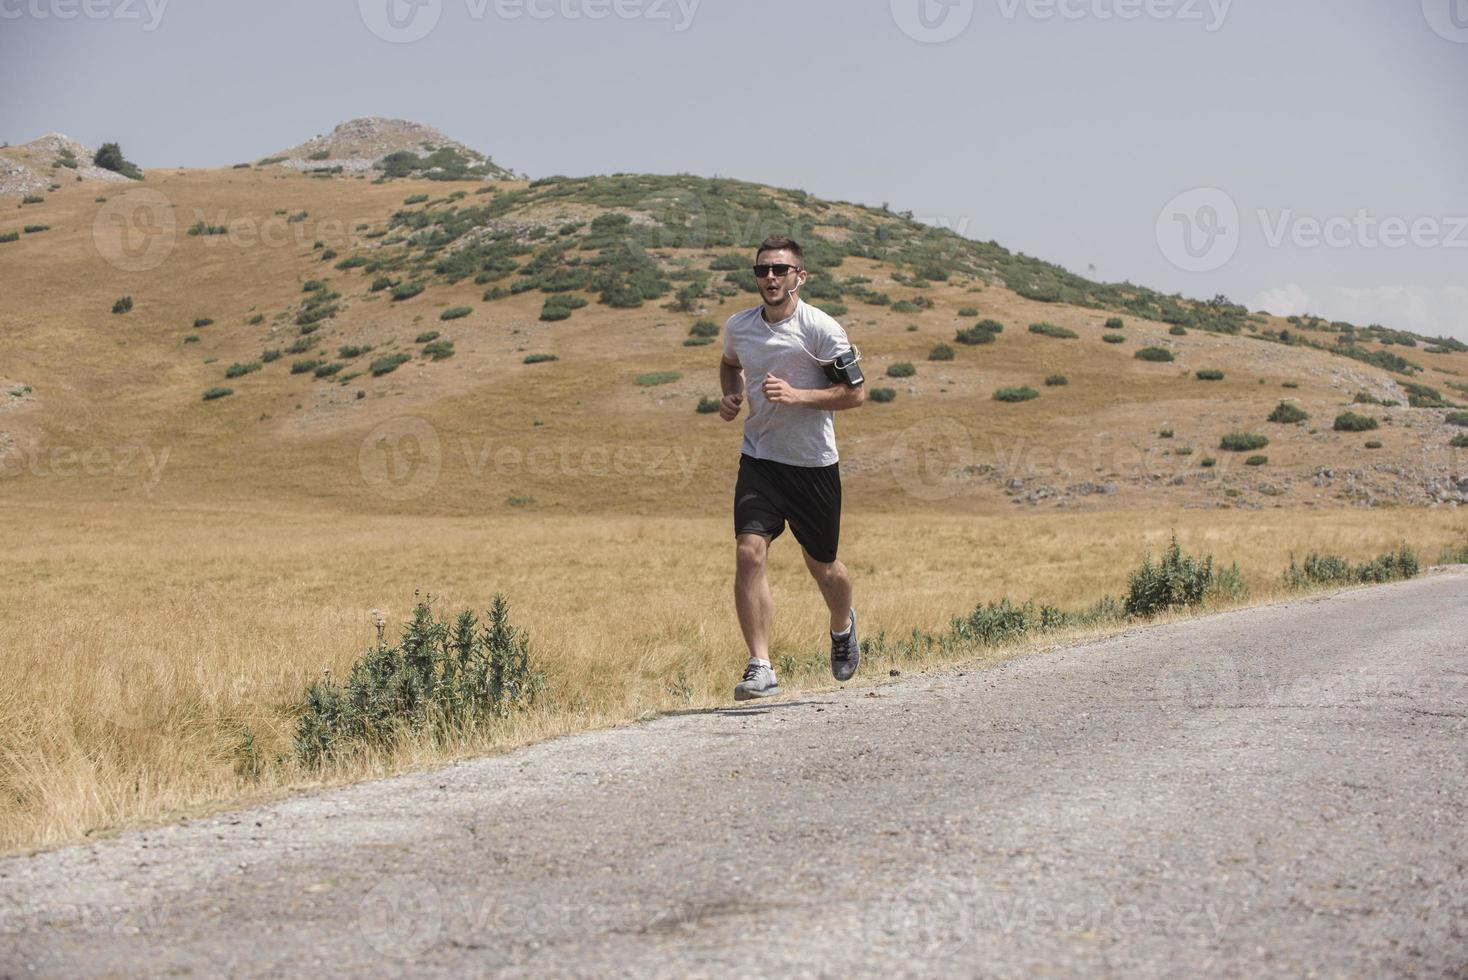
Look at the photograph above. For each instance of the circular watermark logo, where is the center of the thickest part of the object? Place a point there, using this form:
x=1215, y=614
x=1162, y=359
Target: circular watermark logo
x=1199, y=230
x=401, y=916
x=937, y=921
x=131, y=691
x=136, y=230
x=401, y=458
x=400, y=21
x=932, y=21
x=928, y=457
x=1447, y=18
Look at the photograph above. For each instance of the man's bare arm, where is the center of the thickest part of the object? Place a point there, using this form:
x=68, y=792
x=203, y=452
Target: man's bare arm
x=731, y=381
x=832, y=399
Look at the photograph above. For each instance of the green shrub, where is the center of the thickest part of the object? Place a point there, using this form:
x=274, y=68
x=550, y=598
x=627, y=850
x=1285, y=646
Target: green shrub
x=1256, y=460
x=1051, y=330
x=327, y=370
x=559, y=306
x=697, y=341
x=9, y=236
x=1290, y=384
x=381, y=283
x=1178, y=330
x=305, y=367
x=1207, y=462
x=1177, y=581
x=204, y=228
x=1288, y=413
x=202, y=321
x=352, y=262
x=992, y=326
x=968, y=311
x=1153, y=354
x=426, y=336
x=1351, y=422
x=901, y=369
x=36, y=229
x=109, y=157
x=214, y=393
x=191, y=339
x=414, y=199
x=540, y=358
x=440, y=682
x=123, y=305
x=328, y=255
x=1056, y=381
x=312, y=285
x=1459, y=441
x=1209, y=374
x=657, y=378
x=1114, y=323
x=833, y=309
x=1021, y=394
x=32, y=199
x=974, y=335
x=1373, y=444
x=1164, y=434
x=406, y=290
x=300, y=345
x=388, y=364
x=1243, y=442
x=1421, y=396
x=439, y=350
x=703, y=328
x=456, y=312
x=882, y=394
x=707, y=405
x=1113, y=338
x=1456, y=418
x=273, y=354
x=1183, y=451
x=255, y=320
x=1335, y=570
x=941, y=352
x=239, y=369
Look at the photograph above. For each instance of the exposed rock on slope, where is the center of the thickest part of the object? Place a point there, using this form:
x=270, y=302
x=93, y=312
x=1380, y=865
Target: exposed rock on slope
x=359, y=144
x=51, y=159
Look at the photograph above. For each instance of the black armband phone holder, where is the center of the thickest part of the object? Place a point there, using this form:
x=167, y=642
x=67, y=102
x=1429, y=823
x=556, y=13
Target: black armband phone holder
x=844, y=370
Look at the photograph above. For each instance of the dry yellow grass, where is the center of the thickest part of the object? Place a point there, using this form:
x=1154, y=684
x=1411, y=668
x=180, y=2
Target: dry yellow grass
x=143, y=642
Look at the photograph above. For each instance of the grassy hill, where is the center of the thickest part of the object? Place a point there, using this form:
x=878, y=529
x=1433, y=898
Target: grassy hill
x=328, y=306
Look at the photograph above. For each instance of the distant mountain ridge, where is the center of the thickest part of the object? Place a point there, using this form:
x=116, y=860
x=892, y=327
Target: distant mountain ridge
x=361, y=145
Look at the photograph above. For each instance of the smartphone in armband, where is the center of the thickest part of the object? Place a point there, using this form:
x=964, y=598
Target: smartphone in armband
x=844, y=369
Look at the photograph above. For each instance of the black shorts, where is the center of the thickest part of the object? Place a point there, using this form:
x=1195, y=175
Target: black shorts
x=768, y=494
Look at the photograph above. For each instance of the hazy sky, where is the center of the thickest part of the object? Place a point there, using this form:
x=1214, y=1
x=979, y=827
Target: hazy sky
x=1292, y=154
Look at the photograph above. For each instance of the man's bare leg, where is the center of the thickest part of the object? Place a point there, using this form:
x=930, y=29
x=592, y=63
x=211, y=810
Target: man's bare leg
x=752, y=599
x=835, y=585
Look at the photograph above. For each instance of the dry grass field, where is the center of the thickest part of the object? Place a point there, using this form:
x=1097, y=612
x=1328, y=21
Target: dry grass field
x=178, y=570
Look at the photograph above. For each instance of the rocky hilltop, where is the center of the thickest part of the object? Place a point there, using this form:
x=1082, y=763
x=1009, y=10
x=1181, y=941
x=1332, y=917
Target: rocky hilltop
x=358, y=145
x=52, y=159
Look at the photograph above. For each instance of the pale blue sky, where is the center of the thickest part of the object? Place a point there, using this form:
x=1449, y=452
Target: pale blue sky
x=1059, y=128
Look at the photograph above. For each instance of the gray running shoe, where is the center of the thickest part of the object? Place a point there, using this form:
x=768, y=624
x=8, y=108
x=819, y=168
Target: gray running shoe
x=759, y=682
x=845, y=653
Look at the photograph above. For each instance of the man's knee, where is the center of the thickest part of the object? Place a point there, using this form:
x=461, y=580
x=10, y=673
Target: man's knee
x=825, y=572
x=750, y=551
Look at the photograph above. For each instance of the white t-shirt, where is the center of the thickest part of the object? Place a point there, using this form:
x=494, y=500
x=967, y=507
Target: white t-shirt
x=790, y=349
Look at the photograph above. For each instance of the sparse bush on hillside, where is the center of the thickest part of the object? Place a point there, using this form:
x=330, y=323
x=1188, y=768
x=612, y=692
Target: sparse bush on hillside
x=1421, y=396
x=1243, y=442
x=882, y=394
x=439, y=350
x=941, y=352
x=1020, y=394
x=109, y=157
x=1288, y=413
x=901, y=369
x=456, y=312
x=1209, y=374
x=10, y=236
x=312, y=285
x=440, y=682
x=1373, y=444
x=1456, y=418
x=327, y=370
x=657, y=378
x=1256, y=460
x=559, y=306
x=203, y=228
x=123, y=305
x=191, y=339
x=1178, y=330
x=202, y=321
x=36, y=229
x=1051, y=330
x=703, y=328
x=1208, y=462
x=32, y=199
x=1351, y=422
x=968, y=311
x=300, y=345
x=406, y=290
x=539, y=358
x=388, y=364
x=982, y=332
x=214, y=393
x=413, y=199
x=1113, y=338
x=273, y=354
x=1459, y=441
x=303, y=367
x=1153, y=354
x=238, y=369
x=352, y=262
x=707, y=405
x=1115, y=323
x=1178, y=581
x=1056, y=381
x=1366, y=398
x=381, y=283
x=833, y=309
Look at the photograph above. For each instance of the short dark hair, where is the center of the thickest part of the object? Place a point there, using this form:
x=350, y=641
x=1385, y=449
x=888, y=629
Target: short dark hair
x=776, y=243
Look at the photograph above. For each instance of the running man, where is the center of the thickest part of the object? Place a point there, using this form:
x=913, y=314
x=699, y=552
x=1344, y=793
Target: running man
x=783, y=350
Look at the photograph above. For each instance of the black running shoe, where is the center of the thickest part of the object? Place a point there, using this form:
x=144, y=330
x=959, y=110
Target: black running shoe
x=845, y=653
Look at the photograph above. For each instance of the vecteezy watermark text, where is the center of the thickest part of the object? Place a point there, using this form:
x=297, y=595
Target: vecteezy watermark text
x=936, y=21
x=406, y=21
x=403, y=458
x=1200, y=230
x=150, y=12
x=139, y=461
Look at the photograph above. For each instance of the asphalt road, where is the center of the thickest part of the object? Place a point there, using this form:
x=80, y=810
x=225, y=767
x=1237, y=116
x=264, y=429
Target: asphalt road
x=1280, y=791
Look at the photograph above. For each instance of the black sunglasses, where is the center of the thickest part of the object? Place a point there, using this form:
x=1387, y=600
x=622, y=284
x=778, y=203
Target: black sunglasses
x=780, y=269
